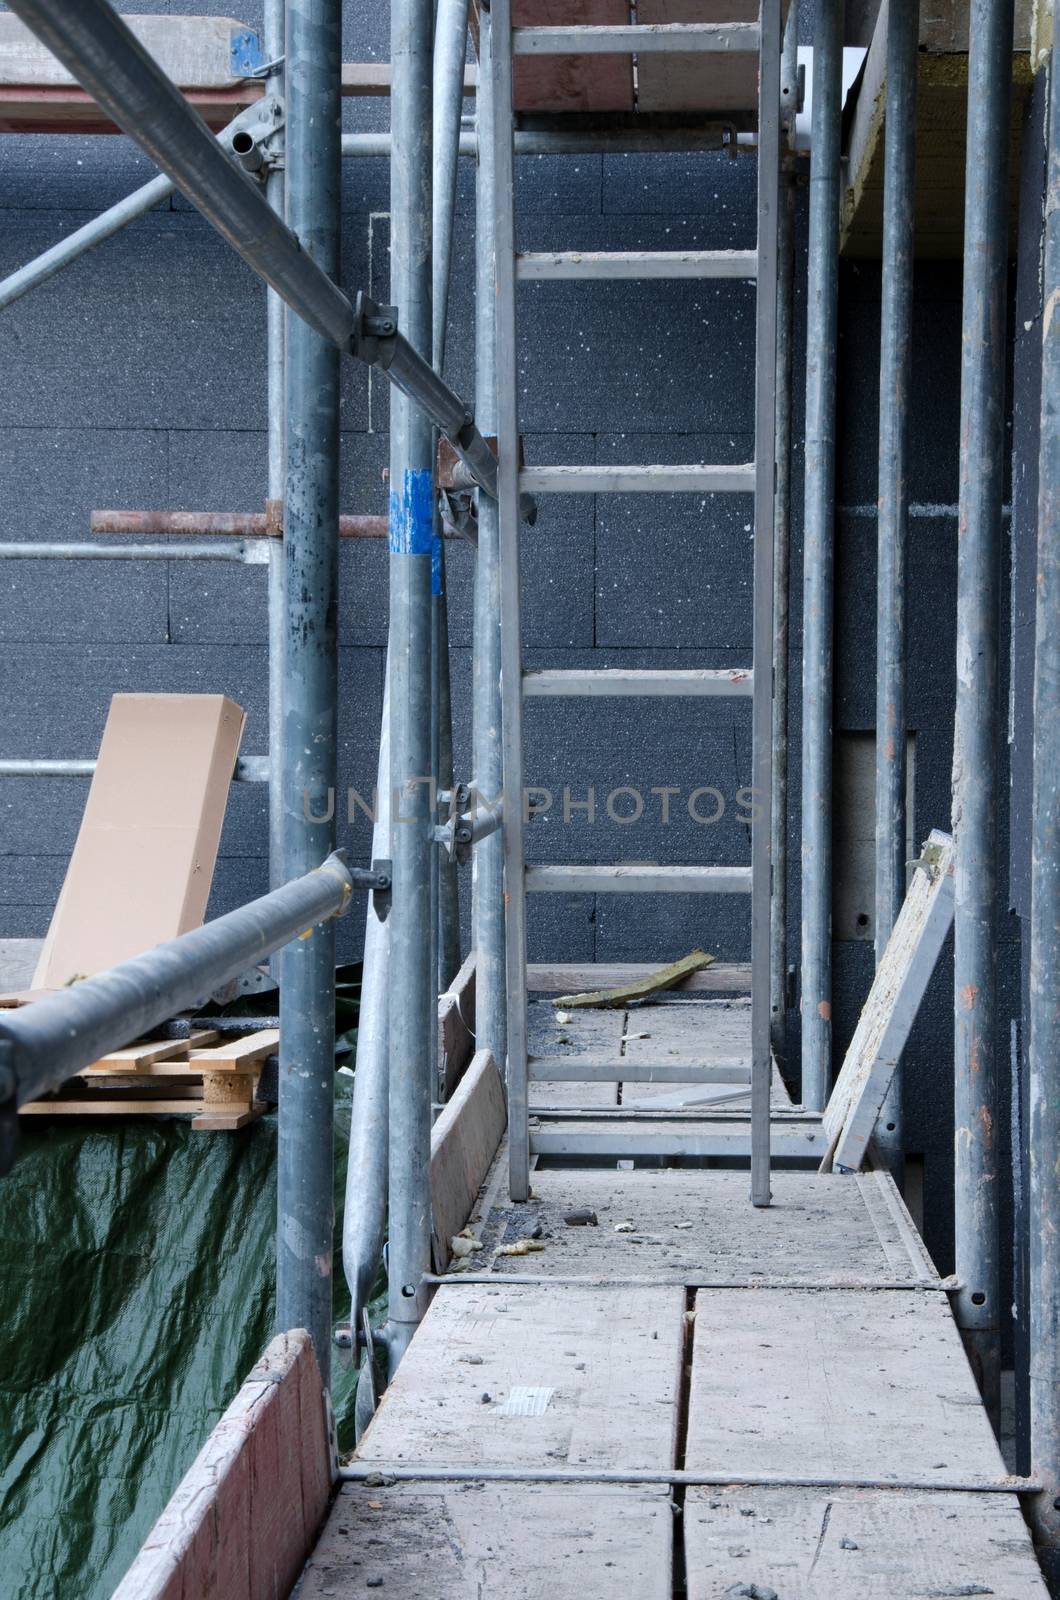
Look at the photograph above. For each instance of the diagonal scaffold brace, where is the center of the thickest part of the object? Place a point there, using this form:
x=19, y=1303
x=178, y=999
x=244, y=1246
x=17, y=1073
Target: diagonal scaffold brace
x=100, y=50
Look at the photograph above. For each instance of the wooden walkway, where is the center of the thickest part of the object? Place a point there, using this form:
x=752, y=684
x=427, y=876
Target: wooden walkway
x=672, y=1393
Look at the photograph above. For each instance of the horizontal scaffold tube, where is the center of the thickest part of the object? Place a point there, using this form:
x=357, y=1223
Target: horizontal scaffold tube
x=94, y=43
x=43, y=1044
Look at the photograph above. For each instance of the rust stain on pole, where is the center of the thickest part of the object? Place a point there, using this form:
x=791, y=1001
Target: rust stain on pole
x=248, y=524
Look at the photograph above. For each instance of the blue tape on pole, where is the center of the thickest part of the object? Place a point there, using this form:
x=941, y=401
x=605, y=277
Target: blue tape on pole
x=412, y=515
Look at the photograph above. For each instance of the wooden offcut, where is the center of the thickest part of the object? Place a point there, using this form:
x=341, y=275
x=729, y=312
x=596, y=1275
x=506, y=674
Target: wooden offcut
x=639, y=988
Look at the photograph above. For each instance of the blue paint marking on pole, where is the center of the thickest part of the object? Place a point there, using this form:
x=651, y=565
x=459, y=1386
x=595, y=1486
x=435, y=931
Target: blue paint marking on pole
x=436, y=563
x=247, y=55
x=412, y=516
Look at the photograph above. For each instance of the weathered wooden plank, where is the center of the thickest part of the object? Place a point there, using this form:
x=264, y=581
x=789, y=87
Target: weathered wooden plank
x=236, y=1055
x=143, y=1056
x=804, y=1381
x=489, y=1541
x=817, y=1544
x=942, y=100
x=464, y=1141
x=572, y=82
x=685, y=82
x=242, y=1519
x=695, y=1228
x=893, y=1002
x=456, y=1025
x=521, y=1375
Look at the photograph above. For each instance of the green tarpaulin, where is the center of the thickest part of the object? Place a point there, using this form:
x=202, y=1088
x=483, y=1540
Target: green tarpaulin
x=137, y=1292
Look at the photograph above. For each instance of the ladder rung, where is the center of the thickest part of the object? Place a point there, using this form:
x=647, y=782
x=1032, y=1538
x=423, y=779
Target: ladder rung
x=606, y=1069
x=638, y=877
x=690, y=1136
x=739, y=479
x=620, y=681
x=626, y=39
x=536, y=265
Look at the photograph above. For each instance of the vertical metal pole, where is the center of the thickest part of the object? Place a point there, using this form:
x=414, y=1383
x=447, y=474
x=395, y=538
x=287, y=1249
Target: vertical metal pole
x=896, y=365
x=764, y=524
x=412, y=1041
x=510, y=608
x=450, y=49
x=487, y=862
x=307, y=1016
x=977, y=728
x=818, y=553
x=1044, y=1053
x=364, y=1209
x=778, y=819
x=275, y=320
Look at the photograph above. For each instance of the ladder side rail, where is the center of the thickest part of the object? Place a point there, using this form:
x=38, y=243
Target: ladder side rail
x=511, y=623
x=765, y=478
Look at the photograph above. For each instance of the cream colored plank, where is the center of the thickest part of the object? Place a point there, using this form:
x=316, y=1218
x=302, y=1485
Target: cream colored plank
x=818, y=1544
x=827, y=1382
x=598, y=1369
x=434, y=1541
x=698, y=1227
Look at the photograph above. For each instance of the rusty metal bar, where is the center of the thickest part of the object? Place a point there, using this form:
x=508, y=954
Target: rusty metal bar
x=239, y=524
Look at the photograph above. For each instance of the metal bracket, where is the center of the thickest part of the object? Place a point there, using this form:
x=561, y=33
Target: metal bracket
x=374, y=325
x=459, y=512
x=383, y=892
x=377, y=880
x=249, y=136
x=246, y=54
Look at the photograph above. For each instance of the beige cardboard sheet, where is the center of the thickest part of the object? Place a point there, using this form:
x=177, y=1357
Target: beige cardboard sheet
x=143, y=863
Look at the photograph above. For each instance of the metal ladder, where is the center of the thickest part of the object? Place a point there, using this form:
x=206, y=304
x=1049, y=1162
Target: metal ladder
x=756, y=477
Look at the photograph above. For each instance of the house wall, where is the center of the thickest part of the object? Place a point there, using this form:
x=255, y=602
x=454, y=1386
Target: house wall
x=136, y=378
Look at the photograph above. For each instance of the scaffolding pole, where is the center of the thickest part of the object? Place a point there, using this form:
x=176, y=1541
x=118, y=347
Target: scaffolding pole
x=364, y=1208
x=1044, y=1051
x=818, y=553
x=896, y=364
x=450, y=49
x=977, y=725
x=778, y=815
x=310, y=687
x=412, y=1037
x=275, y=320
x=487, y=861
